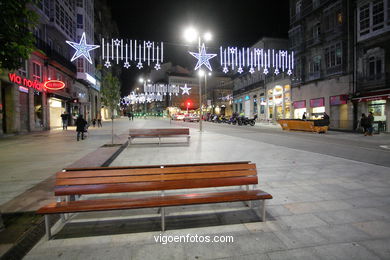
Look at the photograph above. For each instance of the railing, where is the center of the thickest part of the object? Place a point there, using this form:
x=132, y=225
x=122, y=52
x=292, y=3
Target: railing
x=314, y=75
x=334, y=70
x=54, y=55
x=373, y=81
x=249, y=87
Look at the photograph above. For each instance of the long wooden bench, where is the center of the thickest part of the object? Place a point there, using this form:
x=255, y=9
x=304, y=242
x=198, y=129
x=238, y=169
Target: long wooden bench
x=71, y=183
x=159, y=133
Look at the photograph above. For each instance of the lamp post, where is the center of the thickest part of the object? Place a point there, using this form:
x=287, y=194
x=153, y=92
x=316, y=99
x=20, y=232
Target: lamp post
x=190, y=34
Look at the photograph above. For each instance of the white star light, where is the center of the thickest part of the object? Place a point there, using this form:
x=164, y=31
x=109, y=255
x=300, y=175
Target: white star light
x=289, y=72
x=82, y=48
x=265, y=71
x=225, y=70
x=157, y=66
x=149, y=100
x=276, y=71
x=126, y=65
x=148, y=44
x=203, y=58
x=139, y=65
x=251, y=70
x=107, y=64
x=185, y=89
x=117, y=42
x=240, y=70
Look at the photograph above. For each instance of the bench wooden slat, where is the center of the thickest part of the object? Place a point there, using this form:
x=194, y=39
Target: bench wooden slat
x=167, y=177
x=154, y=171
x=155, y=201
x=153, y=186
x=150, y=166
x=159, y=132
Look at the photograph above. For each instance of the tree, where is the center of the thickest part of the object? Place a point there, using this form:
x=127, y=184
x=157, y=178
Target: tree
x=111, y=96
x=16, y=38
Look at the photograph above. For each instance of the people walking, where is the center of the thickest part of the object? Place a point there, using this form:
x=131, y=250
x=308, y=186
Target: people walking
x=363, y=123
x=132, y=116
x=64, y=118
x=81, y=126
x=304, y=116
x=94, y=122
x=99, y=121
x=370, y=122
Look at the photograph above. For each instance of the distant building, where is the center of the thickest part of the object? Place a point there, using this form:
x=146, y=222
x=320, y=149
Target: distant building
x=321, y=36
x=373, y=61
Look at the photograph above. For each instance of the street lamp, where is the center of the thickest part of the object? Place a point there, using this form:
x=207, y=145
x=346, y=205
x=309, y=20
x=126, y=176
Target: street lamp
x=190, y=34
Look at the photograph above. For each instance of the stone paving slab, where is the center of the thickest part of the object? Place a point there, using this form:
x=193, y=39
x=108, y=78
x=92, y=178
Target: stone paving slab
x=321, y=209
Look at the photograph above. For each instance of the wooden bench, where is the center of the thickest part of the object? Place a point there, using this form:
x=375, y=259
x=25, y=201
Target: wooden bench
x=158, y=133
x=141, y=178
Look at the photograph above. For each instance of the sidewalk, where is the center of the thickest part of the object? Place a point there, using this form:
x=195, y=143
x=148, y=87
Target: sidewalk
x=324, y=207
x=27, y=160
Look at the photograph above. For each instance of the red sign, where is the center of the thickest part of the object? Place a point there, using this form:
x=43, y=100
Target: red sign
x=373, y=98
x=338, y=100
x=25, y=82
x=317, y=102
x=54, y=84
x=299, y=104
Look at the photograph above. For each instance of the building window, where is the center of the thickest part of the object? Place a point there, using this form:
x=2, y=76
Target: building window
x=378, y=17
x=315, y=64
x=298, y=8
x=37, y=71
x=372, y=17
x=23, y=69
x=316, y=3
x=333, y=55
x=79, y=21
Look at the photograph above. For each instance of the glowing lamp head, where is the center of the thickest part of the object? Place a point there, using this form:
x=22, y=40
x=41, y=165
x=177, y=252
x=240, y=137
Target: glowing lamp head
x=190, y=34
x=207, y=36
x=141, y=80
x=201, y=73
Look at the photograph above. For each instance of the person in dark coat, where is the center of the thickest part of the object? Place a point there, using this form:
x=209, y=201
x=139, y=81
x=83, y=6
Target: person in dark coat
x=304, y=116
x=363, y=123
x=370, y=122
x=80, y=127
x=64, y=117
x=326, y=119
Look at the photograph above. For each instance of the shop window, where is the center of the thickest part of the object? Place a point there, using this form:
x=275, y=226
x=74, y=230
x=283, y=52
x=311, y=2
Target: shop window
x=37, y=71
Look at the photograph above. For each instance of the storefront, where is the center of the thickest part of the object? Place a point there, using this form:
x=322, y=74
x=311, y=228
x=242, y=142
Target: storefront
x=299, y=109
x=279, y=102
x=379, y=105
x=317, y=108
x=339, y=111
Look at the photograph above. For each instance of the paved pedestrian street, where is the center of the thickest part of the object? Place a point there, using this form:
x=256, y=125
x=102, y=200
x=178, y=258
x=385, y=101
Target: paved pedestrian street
x=324, y=206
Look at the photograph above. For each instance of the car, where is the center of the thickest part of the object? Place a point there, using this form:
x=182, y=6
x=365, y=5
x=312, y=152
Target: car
x=178, y=116
x=191, y=118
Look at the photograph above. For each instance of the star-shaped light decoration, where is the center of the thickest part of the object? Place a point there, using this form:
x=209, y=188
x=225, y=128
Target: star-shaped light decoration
x=265, y=71
x=225, y=70
x=149, y=100
x=117, y=42
x=289, y=72
x=126, y=65
x=82, y=48
x=139, y=65
x=251, y=70
x=232, y=50
x=185, y=89
x=240, y=70
x=107, y=64
x=203, y=58
x=157, y=66
x=148, y=44
x=276, y=71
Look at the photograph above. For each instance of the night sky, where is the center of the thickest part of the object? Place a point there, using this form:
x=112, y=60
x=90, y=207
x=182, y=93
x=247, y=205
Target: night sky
x=232, y=23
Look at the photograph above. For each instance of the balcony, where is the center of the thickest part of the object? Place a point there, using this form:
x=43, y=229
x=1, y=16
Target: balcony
x=334, y=70
x=375, y=81
x=54, y=55
x=314, y=75
x=313, y=41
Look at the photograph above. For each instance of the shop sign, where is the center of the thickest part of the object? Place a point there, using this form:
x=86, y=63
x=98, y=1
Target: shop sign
x=338, y=100
x=54, y=84
x=318, y=102
x=247, y=98
x=373, y=98
x=23, y=89
x=25, y=82
x=299, y=104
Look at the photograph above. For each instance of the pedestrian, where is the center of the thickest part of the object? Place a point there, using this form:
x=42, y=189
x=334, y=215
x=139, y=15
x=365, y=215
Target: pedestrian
x=81, y=126
x=363, y=123
x=94, y=122
x=99, y=121
x=304, y=116
x=129, y=116
x=132, y=116
x=65, y=118
x=326, y=119
x=370, y=122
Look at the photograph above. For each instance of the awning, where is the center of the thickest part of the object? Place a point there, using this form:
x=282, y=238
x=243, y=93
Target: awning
x=372, y=98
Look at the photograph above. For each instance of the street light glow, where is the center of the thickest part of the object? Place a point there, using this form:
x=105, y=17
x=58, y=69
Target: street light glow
x=141, y=80
x=209, y=73
x=148, y=80
x=207, y=36
x=190, y=34
x=201, y=73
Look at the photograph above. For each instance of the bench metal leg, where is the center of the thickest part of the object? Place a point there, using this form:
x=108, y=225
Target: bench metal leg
x=163, y=219
x=263, y=211
x=159, y=141
x=47, y=227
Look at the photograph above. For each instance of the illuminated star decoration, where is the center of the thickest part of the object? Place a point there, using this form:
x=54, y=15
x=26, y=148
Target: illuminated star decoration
x=139, y=65
x=240, y=70
x=185, y=89
x=225, y=70
x=107, y=64
x=82, y=48
x=157, y=66
x=117, y=42
x=126, y=65
x=289, y=72
x=203, y=58
x=251, y=70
